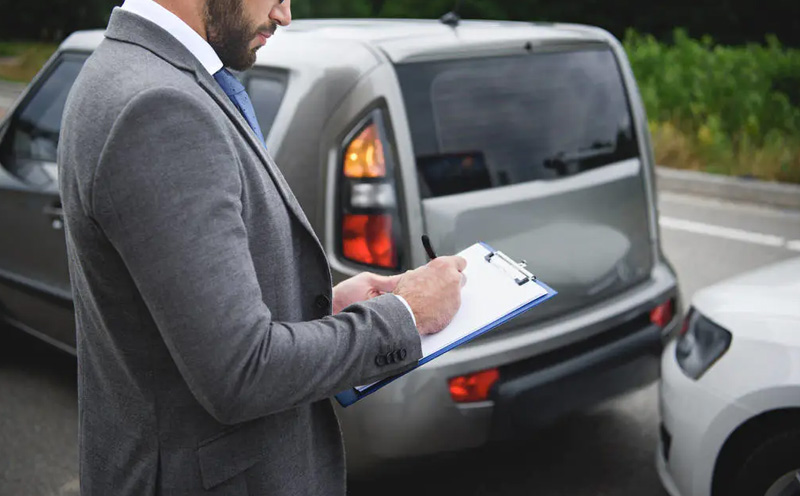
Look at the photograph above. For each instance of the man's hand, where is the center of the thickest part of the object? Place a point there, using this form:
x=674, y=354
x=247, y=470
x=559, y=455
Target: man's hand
x=360, y=288
x=433, y=292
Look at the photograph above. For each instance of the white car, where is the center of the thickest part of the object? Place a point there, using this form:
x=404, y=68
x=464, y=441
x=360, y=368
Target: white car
x=730, y=390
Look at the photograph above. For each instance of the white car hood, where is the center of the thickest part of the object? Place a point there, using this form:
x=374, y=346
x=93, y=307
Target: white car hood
x=770, y=294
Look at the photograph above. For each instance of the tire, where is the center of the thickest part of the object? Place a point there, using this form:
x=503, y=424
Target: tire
x=772, y=460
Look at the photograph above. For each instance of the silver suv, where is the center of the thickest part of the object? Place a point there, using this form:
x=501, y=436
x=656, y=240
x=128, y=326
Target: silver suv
x=530, y=137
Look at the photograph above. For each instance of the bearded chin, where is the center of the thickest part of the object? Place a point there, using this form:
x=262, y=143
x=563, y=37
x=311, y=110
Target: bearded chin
x=234, y=52
x=229, y=33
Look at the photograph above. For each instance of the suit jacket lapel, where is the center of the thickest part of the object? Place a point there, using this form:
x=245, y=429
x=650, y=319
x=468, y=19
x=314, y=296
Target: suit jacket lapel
x=213, y=89
x=128, y=27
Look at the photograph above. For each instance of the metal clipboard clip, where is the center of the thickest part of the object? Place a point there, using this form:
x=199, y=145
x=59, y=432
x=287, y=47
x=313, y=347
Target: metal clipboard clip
x=523, y=275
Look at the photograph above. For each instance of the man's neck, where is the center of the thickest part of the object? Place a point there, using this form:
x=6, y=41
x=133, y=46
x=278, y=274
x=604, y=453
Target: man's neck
x=190, y=12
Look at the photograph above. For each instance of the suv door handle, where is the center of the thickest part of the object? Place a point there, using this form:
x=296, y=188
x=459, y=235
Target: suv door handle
x=56, y=214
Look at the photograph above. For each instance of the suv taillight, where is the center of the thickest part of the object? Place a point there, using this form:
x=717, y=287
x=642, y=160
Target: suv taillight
x=369, y=223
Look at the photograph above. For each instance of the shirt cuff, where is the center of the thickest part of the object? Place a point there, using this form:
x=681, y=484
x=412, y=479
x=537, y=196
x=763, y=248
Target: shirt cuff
x=404, y=302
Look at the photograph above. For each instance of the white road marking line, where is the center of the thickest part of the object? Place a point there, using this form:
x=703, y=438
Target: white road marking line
x=727, y=205
x=793, y=245
x=728, y=233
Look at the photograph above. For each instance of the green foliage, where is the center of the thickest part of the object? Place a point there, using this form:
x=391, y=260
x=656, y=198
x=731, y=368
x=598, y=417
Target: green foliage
x=738, y=91
x=728, y=105
x=728, y=20
x=51, y=20
x=21, y=61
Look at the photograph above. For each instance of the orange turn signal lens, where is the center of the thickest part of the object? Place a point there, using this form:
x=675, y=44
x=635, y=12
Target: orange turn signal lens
x=662, y=314
x=368, y=239
x=364, y=156
x=473, y=387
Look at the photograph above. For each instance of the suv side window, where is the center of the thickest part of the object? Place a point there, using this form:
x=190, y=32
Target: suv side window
x=31, y=139
x=266, y=90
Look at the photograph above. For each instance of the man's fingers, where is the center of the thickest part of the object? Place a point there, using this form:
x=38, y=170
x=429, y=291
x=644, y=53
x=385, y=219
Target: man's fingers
x=460, y=263
x=386, y=284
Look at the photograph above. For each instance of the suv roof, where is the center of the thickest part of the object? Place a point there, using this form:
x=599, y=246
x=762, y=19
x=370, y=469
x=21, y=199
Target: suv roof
x=404, y=40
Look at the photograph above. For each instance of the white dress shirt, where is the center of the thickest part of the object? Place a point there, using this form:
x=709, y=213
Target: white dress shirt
x=196, y=44
x=181, y=31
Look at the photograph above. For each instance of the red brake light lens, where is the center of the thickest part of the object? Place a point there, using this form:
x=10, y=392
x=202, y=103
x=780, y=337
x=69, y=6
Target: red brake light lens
x=473, y=387
x=368, y=239
x=662, y=314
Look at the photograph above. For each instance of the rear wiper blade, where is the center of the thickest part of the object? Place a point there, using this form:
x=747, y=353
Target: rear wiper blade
x=561, y=160
x=584, y=153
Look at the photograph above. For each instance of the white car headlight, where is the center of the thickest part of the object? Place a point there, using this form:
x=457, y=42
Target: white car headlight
x=701, y=343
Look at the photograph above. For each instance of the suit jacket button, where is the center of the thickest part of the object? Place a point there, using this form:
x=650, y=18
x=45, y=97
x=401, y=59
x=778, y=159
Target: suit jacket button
x=380, y=360
x=323, y=302
x=402, y=354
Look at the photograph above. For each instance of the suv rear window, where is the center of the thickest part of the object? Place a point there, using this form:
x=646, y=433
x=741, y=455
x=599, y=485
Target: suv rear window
x=488, y=122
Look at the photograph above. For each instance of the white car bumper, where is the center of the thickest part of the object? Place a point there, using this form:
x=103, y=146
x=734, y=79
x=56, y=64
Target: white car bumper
x=663, y=472
x=694, y=427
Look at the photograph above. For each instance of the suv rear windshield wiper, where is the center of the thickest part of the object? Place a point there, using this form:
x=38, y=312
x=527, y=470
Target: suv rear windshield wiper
x=582, y=157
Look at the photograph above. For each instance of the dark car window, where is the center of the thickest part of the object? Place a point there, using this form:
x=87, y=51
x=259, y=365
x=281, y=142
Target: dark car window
x=266, y=91
x=32, y=137
x=487, y=122
x=35, y=126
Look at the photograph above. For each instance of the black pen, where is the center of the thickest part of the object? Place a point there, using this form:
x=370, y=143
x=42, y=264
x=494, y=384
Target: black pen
x=426, y=242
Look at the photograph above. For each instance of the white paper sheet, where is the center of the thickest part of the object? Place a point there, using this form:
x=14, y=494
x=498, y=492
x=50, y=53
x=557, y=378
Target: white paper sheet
x=489, y=294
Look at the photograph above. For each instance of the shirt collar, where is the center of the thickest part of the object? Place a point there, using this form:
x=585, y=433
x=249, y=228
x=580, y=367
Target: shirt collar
x=181, y=31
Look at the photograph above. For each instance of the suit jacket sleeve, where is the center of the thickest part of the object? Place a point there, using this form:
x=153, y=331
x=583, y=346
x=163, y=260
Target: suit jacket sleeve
x=167, y=194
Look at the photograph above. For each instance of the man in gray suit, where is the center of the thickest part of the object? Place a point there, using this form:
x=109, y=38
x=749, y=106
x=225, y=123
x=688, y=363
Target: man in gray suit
x=207, y=348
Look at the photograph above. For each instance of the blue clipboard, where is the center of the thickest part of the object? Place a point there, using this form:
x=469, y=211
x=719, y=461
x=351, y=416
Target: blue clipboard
x=347, y=398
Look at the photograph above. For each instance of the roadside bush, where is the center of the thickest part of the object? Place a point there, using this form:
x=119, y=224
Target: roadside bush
x=724, y=109
x=21, y=61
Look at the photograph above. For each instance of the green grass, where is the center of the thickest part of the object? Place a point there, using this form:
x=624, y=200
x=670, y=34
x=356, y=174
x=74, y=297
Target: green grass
x=20, y=61
x=721, y=109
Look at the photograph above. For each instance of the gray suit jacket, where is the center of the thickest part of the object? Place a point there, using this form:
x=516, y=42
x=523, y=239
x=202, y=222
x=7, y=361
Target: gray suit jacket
x=206, y=349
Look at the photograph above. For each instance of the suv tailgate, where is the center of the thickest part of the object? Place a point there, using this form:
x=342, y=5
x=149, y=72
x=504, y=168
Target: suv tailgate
x=537, y=155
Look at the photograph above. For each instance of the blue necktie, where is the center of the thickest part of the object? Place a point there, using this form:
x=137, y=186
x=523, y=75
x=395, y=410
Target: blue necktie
x=236, y=92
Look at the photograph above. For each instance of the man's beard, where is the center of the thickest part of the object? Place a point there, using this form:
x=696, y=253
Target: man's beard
x=230, y=34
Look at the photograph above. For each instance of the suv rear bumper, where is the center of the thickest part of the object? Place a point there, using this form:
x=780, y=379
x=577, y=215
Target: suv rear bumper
x=537, y=394
x=546, y=370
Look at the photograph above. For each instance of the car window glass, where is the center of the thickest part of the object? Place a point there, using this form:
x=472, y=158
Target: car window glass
x=495, y=121
x=266, y=93
x=35, y=126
